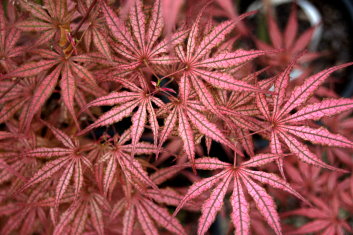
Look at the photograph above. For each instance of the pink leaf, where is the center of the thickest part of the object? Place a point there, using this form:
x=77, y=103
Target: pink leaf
x=112, y=116
x=319, y=136
x=45, y=172
x=275, y=34
x=210, y=163
x=291, y=28
x=167, y=196
x=264, y=203
x=63, y=182
x=246, y=141
x=168, y=126
x=66, y=217
x=138, y=123
x=312, y=227
x=303, y=41
x=117, y=27
x=145, y=221
x=101, y=44
x=9, y=109
x=217, y=36
x=78, y=178
x=174, y=39
x=207, y=128
x=301, y=93
x=155, y=25
x=34, y=68
x=213, y=204
x=162, y=217
x=318, y=110
x=11, y=39
x=184, y=88
x=131, y=165
x=36, y=10
x=41, y=94
x=274, y=181
x=64, y=139
x=199, y=187
x=225, y=81
x=153, y=121
x=191, y=44
x=164, y=60
x=138, y=22
x=141, y=148
x=129, y=220
x=304, y=153
x=2, y=26
x=109, y=174
x=164, y=174
x=34, y=25
x=78, y=224
x=117, y=209
x=113, y=98
x=96, y=217
x=281, y=87
x=226, y=60
x=83, y=73
x=68, y=87
x=263, y=105
x=260, y=159
x=276, y=148
x=240, y=215
x=186, y=135
x=48, y=152
x=205, y=96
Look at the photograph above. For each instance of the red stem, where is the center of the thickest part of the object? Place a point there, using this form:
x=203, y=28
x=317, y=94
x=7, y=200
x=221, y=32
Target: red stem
x=84, y=18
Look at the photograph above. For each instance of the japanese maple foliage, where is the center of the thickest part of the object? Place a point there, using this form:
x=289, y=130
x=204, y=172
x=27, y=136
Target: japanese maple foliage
x=113, y=116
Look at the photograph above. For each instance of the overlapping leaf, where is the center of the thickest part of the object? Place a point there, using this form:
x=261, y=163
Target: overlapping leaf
x=284, y=124
x=140, y=46
x=68, y=160
x=241, y=176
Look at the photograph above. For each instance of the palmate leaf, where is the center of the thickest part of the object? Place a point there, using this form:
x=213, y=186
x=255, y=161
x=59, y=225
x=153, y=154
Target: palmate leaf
x=140, y=46
x=95, y=32
x=182, y=112
x=201, y=67
x=326, y=218
x=68, y=90
x=55, y=18
x=72, y=76
x=148, y=214
x=301, y=93
x=68, y=160
x=42, y=93
x=290, y=42
x=127, y=102
x=119, y=160
x=285, y=128
x=213, y=204
x=17, y=98
x=240, y=209
x=151, y=212
x=9, y=37
x=75, y=218
x=23, y=214
x=243, y=178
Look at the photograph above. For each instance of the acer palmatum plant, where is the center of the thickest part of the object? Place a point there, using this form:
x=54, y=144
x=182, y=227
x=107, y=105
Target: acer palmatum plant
x=113, y=116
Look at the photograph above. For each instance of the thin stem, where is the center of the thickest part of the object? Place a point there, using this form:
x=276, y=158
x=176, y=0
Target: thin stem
x=262, y=130
x=148, y=66
x=172, y=79
x=84, y=18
